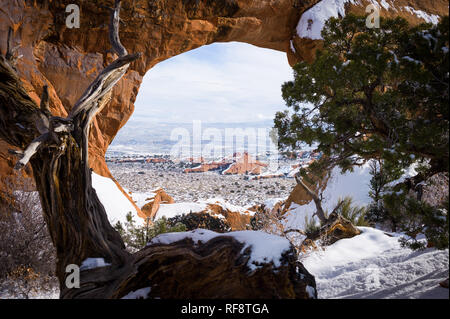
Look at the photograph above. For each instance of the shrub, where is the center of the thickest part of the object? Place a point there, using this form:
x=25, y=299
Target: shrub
x=27, y=254
x=200, y=220
x=136, y=236
x=355, y=214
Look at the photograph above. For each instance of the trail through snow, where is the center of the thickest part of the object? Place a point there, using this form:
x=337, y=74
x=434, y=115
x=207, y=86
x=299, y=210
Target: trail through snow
x=374, y=265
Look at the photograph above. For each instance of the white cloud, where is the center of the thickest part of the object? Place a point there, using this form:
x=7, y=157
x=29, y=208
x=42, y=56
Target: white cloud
x=231, y=82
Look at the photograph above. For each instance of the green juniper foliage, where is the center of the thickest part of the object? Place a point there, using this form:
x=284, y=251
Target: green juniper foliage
x=136, y=237
x=416, y=217
x=200, y=220
x=377, y=94
x=382, y=177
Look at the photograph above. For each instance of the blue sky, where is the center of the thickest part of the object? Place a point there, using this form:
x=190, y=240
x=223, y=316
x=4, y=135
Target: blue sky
x=222, y=82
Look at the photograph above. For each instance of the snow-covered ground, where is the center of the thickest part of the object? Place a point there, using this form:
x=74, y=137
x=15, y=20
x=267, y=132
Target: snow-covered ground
x=115, y=202
x=374, y=265
x=371, y=265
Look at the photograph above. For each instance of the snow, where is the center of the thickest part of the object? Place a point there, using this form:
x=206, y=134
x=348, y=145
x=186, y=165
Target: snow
x=172, y=210
x=384, y=4
x=138, y=294
x=429, y=18
x=311, y=291
x=142, y=198
x=411, y=60
x=409, y=172
x=116, y=204
x=374, y=265
x=271, y=202
x=265, y=248
x=313, y=20
x=91, y=263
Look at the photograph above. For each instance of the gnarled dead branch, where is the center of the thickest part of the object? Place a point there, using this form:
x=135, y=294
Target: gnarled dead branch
x=319, y=210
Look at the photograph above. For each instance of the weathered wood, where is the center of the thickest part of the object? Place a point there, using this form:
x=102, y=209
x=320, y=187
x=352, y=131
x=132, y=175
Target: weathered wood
x=319, y=210
x=336, y=228
x=114, y=37
x=216, y=269
x=31, y=149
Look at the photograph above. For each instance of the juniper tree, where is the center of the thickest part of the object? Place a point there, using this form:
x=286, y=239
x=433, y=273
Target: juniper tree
x=376, y=94
x=372, y=93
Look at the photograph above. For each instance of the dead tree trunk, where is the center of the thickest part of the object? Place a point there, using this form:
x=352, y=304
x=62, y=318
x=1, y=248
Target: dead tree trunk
x=333, y=228
x=57, y=149
x=319, y=210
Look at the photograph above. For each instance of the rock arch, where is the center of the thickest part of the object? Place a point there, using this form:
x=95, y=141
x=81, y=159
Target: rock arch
x=55, y=57
x=160, y=29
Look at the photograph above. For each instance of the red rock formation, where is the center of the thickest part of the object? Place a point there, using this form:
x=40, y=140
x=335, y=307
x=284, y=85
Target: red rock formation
x=236, y=220
x=194, y=160
x=151, y=207
x=156, y=160
x=241, y=164
x=244, y=164
x=68, y=59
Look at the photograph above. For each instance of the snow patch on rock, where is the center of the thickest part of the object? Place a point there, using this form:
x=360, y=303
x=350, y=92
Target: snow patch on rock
x=429, y=18
x=175, y=209
x=313, y=20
